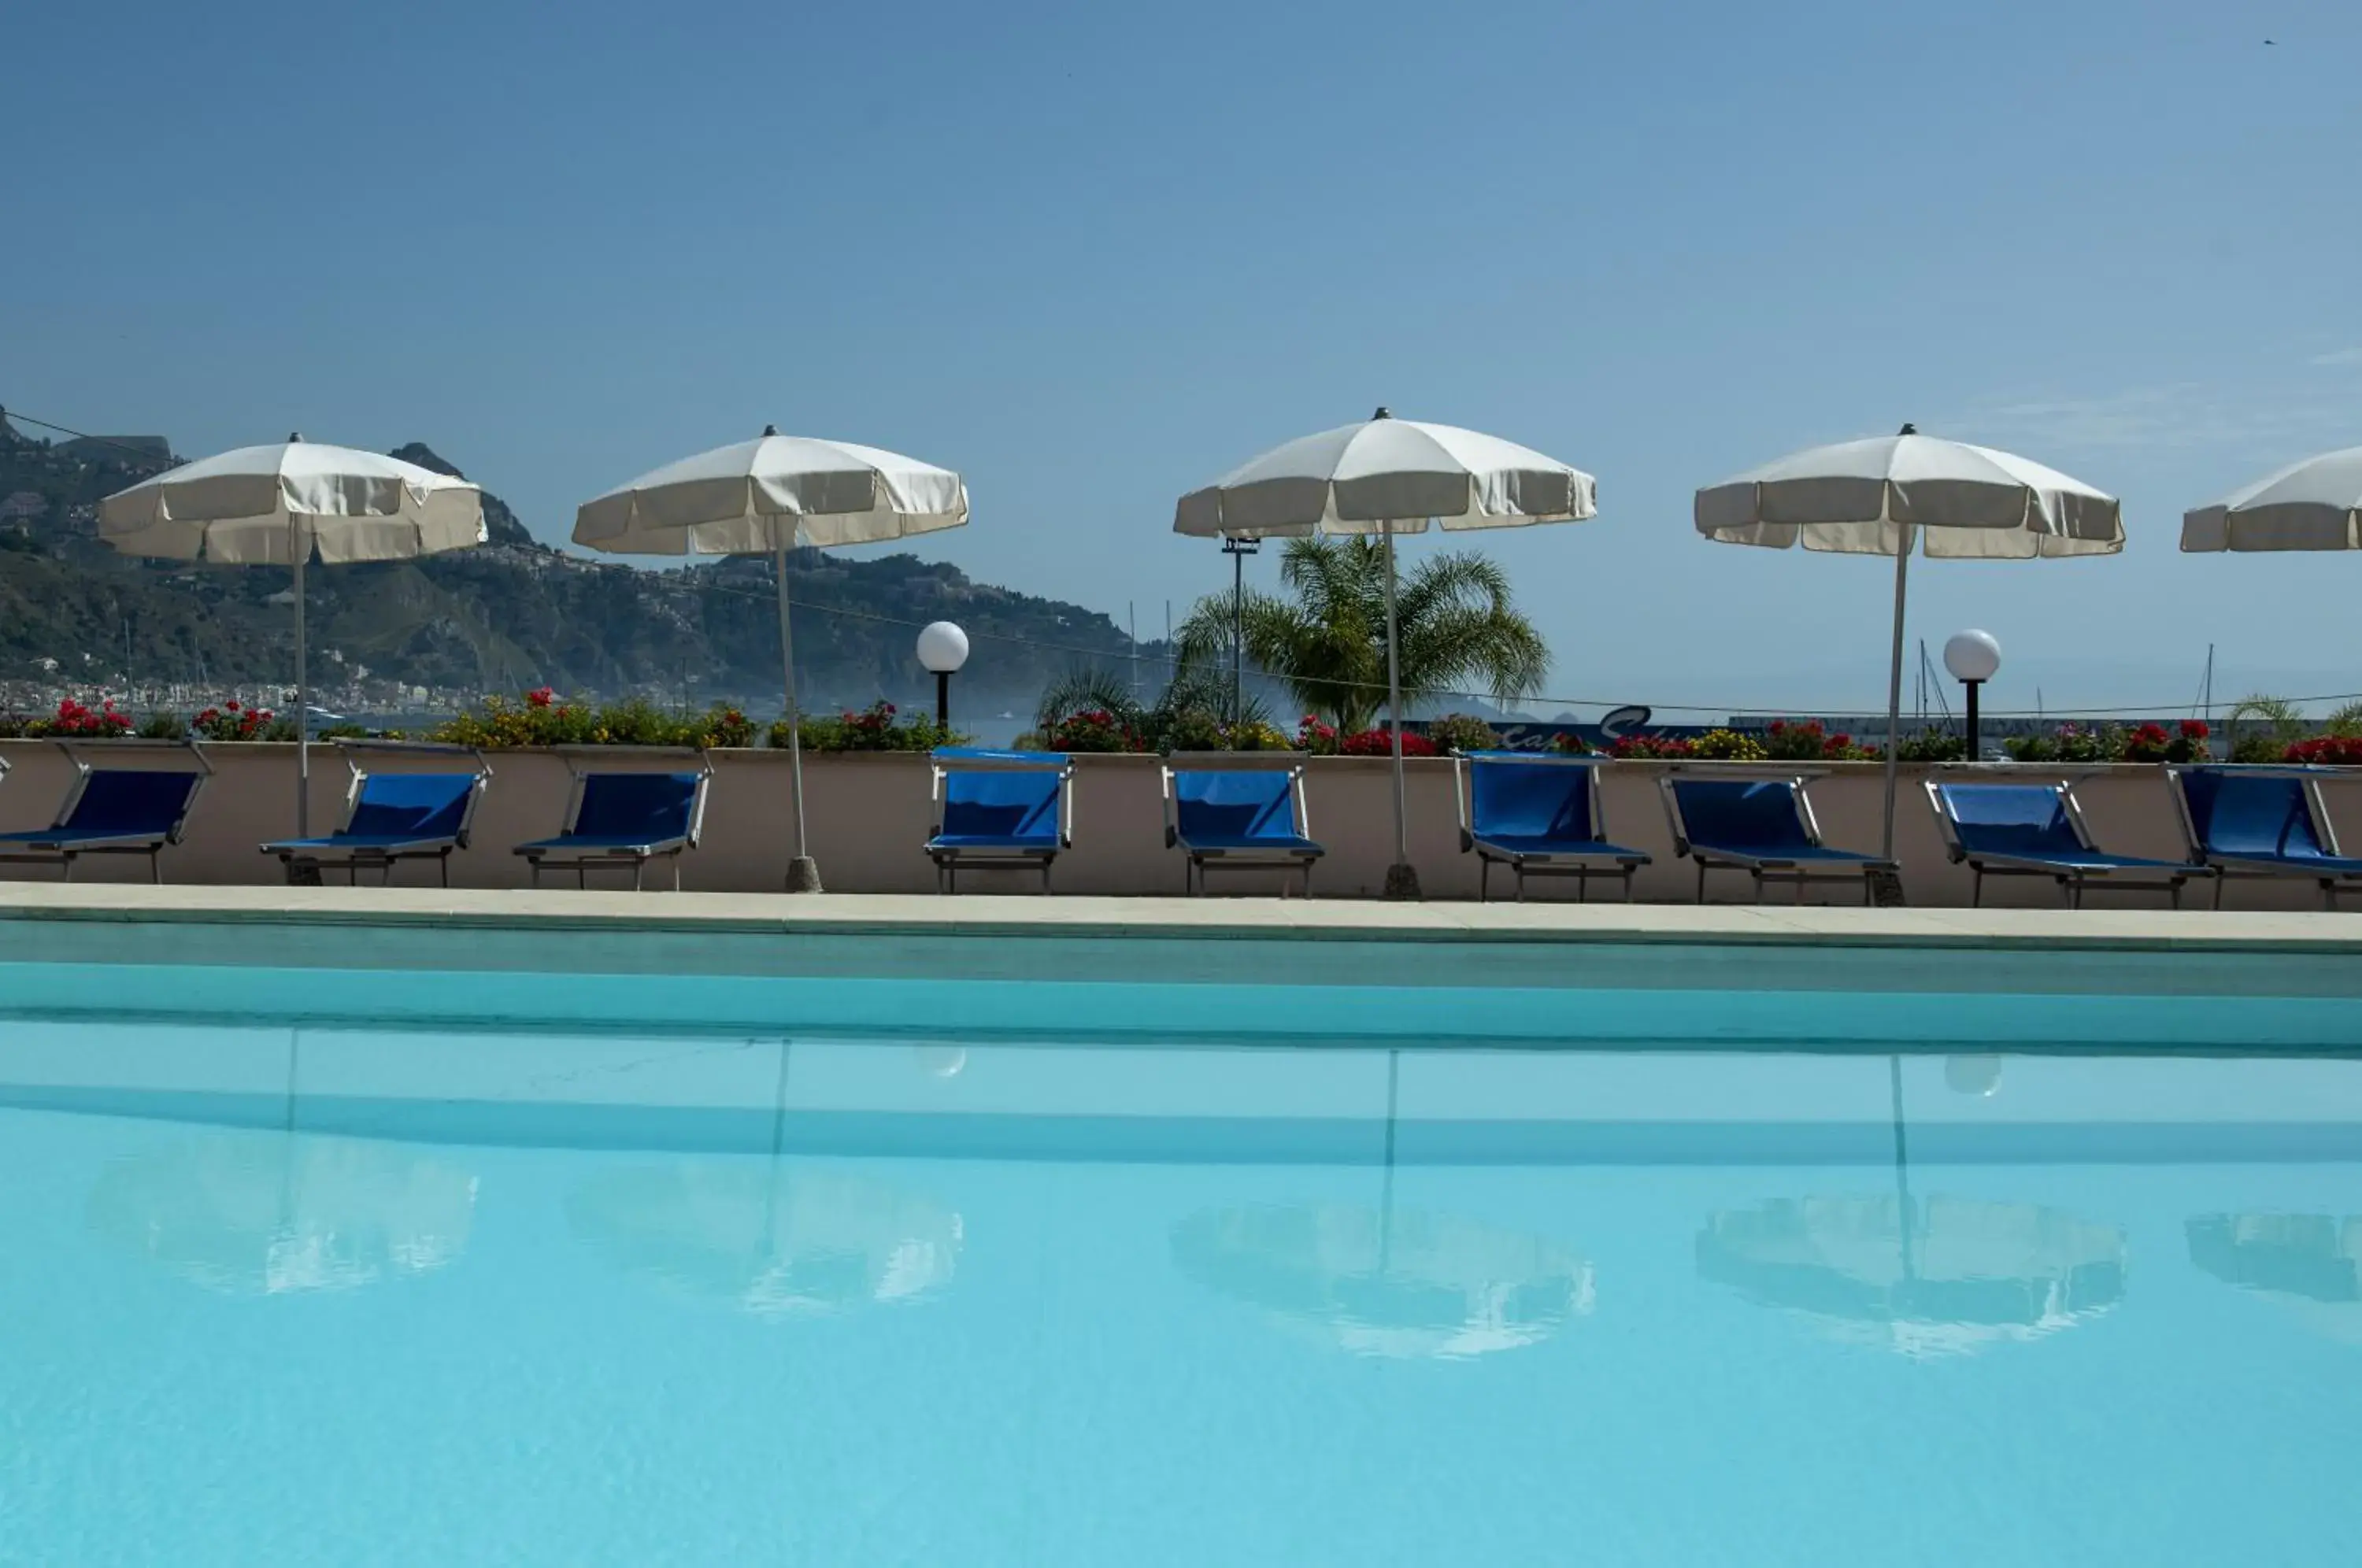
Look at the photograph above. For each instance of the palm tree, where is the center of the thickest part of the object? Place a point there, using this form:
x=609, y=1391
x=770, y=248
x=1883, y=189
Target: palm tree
x=1324, y=636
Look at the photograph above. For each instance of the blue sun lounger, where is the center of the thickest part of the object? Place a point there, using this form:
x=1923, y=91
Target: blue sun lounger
x=113, y=810
x=999, y=811
x=623, y=821
x=1539, y=816
x=2261, y=822
x=393, y=816
x=1764, y=828
x=1238, y=820
x=2038, y=830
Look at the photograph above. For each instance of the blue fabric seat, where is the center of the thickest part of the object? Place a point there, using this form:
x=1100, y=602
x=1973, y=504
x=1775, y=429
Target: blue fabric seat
x=1011, y=810
x=1762, y=826
x=1537, y=815
x=2262, y=822
x=1238, y=820
x=111, y=810
x=2036, y=830
x=623, y=821
x=390, y=817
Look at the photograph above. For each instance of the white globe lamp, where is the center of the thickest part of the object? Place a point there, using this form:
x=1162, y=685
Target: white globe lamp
x=1973, y=657
x=943, y=648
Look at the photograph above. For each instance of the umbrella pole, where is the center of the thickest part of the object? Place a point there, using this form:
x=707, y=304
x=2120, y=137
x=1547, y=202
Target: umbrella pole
x=1895, y=687
x=804, y=872
x=1402, y=877
x=302, y=547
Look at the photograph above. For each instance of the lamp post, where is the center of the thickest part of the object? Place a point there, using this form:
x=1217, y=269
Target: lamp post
x=1239, y=550
x=1972, y=657
x=943, y=648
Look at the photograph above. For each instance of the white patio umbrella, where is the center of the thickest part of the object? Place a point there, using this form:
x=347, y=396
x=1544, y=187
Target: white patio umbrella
x=1885, y=495
x=279, y=506
x=762, y=497
x=2313, y=505
x=1389, y=476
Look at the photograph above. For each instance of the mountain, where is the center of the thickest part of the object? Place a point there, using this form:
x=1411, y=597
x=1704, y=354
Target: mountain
x=511, y=614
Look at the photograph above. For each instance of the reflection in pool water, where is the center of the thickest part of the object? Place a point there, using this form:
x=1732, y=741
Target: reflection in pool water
x=1926, y=1278
x=2308, y=1263
x=770, y=1237
x=1388, y=1283
x=257, y=1212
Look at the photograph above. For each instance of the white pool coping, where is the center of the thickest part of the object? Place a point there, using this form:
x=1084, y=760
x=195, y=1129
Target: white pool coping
x=1233, y=918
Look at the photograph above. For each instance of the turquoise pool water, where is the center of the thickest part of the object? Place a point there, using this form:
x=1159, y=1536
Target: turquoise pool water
x=280, y=1291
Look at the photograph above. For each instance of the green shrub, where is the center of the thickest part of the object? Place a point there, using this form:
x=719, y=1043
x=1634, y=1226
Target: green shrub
x=1093, y=730
x=1194, y=729
x=1255, y=734
x=540, y=720
x=878, y=727
x=1728, y=745
x=162, y=726
x=1932, y=746
x=1462, y=732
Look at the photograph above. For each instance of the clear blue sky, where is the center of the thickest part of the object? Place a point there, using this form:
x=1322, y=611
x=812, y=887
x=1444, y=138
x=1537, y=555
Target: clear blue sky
x=1093, y=255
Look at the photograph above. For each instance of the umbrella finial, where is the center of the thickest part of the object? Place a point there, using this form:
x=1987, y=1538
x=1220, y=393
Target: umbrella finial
x=1908, y=429
x=293, y=437
x=770, y=430
x=1383, y=413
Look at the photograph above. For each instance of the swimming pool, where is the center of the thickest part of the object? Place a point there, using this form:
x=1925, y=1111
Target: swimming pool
x=289, y=1285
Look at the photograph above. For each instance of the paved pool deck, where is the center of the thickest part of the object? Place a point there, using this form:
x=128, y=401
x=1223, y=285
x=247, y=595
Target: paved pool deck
x=1719, y=924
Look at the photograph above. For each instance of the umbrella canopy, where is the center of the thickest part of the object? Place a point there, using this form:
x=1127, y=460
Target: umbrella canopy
x=1890, y=494
x=770, y=1238
x=1389, y=476
x=1399, y=1285
x=764, y=497
x=280, y=505
x=252, y=1212
x=1938, y=1276
x=738, y=501
x=2313, y=505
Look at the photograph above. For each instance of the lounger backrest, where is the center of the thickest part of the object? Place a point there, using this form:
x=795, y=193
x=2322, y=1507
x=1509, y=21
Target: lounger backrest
x=132, y=802
x=2011, y=819
x=413, y=805
x=1018, y=806
x=1244, y=804
x=1750, y=815
x=645, y=808
x=1509, y=796
x=2235, y=814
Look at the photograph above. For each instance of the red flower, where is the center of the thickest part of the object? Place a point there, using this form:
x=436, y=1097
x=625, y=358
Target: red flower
x=540, y=697
x=2194, y=729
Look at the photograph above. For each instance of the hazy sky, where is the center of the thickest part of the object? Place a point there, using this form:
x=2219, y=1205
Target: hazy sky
x=1095, y=255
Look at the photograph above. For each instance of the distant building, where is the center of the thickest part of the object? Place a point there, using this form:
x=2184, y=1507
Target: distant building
x=24, y=503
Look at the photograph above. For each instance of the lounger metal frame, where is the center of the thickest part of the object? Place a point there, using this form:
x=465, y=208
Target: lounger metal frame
x=1279, y=859
x=949, y=859
x=541, y=857
x=2226, y=867
x=383, y=856
x=1583, y=868
x=1766, y=868
x=2071, y=881
x=147, y=845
